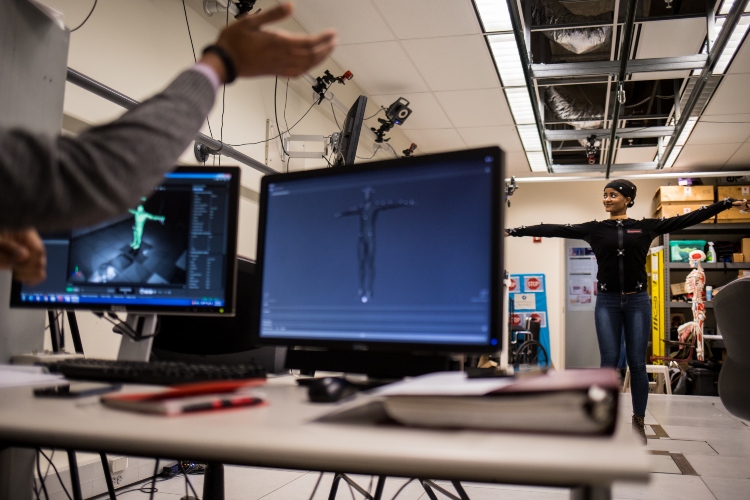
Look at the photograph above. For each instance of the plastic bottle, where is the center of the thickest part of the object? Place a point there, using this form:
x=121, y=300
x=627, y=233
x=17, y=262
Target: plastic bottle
x=711, y=254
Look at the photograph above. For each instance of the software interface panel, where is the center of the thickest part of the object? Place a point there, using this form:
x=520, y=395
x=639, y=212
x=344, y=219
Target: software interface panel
x=169, y=250
x=390, y=256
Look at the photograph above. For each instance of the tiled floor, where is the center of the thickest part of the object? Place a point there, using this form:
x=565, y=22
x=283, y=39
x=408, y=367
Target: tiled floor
x=703, y=454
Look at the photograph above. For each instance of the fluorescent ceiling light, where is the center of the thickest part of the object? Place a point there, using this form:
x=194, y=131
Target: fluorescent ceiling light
x=530, y=138
x=735, y=40
x=536, y=161
x=494, y=15
x=673, y=156
x=505, y=52
x=725, y=7
x=520, y=105
x=689, y=126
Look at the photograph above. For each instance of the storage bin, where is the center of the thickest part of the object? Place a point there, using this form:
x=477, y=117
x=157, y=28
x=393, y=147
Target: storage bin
x=679, y=250
x=702, y=382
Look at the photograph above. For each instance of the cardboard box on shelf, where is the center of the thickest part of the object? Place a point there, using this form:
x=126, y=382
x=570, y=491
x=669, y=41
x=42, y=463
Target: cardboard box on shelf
x=678, y=288
x=744, y=273
x=745, y=245
x=733, y=214
x=673, y=209
x=667, y=195
x=738, y=257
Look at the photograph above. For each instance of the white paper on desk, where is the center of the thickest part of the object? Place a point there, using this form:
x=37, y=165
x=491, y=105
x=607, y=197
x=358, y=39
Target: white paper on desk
x=444, y=384
x=32, y=376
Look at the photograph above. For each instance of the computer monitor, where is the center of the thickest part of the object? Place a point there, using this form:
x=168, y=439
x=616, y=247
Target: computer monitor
x=346, y=148
x=220, y=340
x=396, y=257
x=174, y=253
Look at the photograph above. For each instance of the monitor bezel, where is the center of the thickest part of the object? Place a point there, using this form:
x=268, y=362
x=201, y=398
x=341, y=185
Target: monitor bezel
x=496, y=263
x=230, y=275
x=349, y=141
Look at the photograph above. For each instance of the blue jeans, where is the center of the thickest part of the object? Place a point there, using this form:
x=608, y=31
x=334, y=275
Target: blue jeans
x=616, y=313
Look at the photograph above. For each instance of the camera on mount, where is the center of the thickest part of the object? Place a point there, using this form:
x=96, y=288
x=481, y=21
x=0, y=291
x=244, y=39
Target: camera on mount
x=325, y=81
x=592, y=148
x=410, y=151
x=399, y=111
x=244, y=6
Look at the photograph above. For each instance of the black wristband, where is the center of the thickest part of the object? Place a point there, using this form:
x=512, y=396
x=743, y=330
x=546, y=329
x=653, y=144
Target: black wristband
x=225, y=59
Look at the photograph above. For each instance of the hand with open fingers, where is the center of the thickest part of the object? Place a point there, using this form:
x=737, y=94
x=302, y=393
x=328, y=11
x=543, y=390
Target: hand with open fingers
x=742, y=205
x=22, y=251
x=256, y=51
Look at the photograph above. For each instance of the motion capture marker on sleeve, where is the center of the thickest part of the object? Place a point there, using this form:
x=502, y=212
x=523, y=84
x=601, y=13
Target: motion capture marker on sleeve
x=620, y=252
x=522, y=227
x=568, y=225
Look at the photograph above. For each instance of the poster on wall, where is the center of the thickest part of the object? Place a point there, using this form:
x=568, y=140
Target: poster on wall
x=581, y=279
x=528, y=299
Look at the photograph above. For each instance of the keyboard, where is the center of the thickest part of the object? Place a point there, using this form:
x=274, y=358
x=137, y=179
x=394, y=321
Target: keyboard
x=154, y=372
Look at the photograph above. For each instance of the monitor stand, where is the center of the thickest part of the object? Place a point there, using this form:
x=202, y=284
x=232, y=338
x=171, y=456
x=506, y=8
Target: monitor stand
x=138, y=349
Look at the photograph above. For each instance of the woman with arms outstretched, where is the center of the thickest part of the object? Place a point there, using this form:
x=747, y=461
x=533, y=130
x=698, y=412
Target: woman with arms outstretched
x=621, y=245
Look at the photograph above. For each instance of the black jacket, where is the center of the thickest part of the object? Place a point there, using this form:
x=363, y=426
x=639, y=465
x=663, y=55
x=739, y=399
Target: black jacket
x=621, y=246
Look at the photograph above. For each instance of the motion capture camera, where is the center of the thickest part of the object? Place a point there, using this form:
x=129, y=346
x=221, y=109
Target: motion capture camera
x=323, y=82
x=399, y=111
x=592, y=149
x=244, y=6
x=410, y=151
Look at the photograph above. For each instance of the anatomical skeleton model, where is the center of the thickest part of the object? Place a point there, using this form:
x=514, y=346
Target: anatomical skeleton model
x=695, y=283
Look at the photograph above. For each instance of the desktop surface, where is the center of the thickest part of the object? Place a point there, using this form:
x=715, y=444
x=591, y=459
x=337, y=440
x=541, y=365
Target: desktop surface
x=283, y=434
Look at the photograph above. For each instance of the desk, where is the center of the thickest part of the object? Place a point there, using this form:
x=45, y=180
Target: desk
x=281, y=435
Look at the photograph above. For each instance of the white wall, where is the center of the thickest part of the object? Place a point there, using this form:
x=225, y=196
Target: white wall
x=559, y=203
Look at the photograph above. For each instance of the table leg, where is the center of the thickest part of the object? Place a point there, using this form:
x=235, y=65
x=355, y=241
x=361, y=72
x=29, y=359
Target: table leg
x=108, y=476
x=334, y=486
x=591, y=492
x=213, y=482
x=379, y=488
x=75, y=482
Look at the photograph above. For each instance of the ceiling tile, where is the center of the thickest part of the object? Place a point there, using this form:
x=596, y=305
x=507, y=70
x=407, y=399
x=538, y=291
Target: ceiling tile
x=721, y=130
x=506, y=137
x=516, y=164
x=671, y=38
x=705, y=156
x=476, y=108
x=741, y=158
x=454, y=63
x=730, y=98
x=426, y=112
x=436, y=141
x=435, y=17
x=356, y=21
x=635, y=155
x=380, y=68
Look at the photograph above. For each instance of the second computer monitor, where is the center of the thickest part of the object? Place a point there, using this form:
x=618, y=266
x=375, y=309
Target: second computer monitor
x=402, y=254
x=349, y=135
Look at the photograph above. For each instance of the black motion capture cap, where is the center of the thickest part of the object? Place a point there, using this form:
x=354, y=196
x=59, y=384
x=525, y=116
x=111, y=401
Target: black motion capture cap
x=626, y=188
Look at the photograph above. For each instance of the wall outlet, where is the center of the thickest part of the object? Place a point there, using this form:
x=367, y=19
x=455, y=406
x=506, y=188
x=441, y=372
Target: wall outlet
x=117, y=465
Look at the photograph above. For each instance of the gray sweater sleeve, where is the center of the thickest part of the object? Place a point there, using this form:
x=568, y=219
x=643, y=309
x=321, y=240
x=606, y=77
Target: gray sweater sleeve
x=65, y=182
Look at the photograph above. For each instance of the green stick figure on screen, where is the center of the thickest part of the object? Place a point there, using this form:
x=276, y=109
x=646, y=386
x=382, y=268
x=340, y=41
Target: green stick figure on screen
x=141, y=216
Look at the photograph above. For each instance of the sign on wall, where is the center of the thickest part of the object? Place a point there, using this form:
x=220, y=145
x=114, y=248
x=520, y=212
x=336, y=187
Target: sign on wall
x=528, y=299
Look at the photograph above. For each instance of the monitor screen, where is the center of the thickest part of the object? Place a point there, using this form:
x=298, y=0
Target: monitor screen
x=396, y=254
x=349, y=135
x=175, y=252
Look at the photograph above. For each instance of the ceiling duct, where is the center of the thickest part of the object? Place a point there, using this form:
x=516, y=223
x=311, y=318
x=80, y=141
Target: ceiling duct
x=569, y=102
x=577, y=40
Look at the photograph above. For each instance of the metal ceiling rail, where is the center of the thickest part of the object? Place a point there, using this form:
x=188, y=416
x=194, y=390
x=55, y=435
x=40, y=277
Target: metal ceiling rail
x=731, y=22
x=540, y=28
x=523, y=38
x=593, y=68
x=126, y=102
x=624, y=57
x=623, y=133
x=564, y=169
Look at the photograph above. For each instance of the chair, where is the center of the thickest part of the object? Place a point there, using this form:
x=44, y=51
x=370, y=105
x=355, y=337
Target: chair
x=733, y=319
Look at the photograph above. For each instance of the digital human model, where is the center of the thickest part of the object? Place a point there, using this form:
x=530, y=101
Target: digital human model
x=368, y=214
x=695, y=283
x=141, y=216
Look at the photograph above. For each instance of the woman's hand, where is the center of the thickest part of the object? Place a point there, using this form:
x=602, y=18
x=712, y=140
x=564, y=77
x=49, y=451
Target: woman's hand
x=742, y=205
